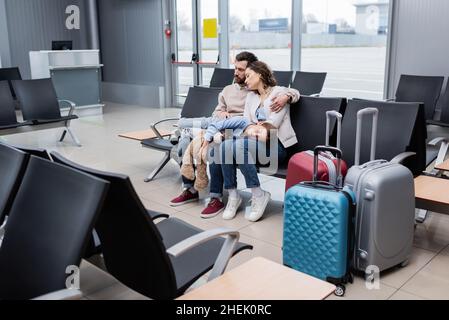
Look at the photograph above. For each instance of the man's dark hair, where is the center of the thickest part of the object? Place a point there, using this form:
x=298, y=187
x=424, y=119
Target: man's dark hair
x=246, y=56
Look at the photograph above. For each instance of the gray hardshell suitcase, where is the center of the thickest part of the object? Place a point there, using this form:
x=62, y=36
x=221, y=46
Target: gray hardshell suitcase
x=385, y=212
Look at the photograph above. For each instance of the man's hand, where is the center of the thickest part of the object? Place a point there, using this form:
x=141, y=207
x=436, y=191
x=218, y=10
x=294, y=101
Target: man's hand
x=223, y=115
x=279, y=103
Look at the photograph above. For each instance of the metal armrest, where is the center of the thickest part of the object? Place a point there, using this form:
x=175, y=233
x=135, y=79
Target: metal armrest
x=399, y=159
x=67, y=294
x=437, y=123
x=315, y=95
x=72, y=105
x=226, y=251
x=440, y=140
x=154, y=126
x=444, y=148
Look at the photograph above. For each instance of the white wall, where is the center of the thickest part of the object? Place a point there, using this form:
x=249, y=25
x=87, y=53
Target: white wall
x=5, y=54
x=420, y=40
x=32, y=25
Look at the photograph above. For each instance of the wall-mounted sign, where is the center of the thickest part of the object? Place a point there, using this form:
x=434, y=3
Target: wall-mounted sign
x=210, y=28
x=280, y=24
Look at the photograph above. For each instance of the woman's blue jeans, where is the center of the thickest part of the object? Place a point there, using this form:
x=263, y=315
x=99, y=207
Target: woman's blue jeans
x=247, y=154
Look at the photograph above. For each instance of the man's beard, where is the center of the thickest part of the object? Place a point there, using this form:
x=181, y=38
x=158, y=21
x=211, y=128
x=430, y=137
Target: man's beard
x=239, y=81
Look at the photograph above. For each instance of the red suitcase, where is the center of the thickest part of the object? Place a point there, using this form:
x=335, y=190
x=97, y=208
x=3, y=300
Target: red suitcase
x=300, y=166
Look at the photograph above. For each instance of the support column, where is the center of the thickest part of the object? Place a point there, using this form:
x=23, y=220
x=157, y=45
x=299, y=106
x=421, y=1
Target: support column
x=296, y=35
x=93, y=35
x=223, y=14
x=5, y=53
x=168, y=17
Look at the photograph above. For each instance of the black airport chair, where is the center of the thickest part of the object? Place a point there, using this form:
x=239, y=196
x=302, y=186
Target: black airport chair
x=438, y=132
x=200, y=102
x=13, y=164
x=8, y=117
x=401, y=132
x=160, y=261
x=9, y=74
x=309, y=83
x=444, y=105
x=283, y=78
x=48, y=228
x=422, y=89
x=37, y=152
x=222, y=78
x=308, y=118
x=39, y=104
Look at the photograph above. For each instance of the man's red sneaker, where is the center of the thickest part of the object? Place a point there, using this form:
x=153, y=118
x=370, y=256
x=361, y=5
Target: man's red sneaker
x=184, y=198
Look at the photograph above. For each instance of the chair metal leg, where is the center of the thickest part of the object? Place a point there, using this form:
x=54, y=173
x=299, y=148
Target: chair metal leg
x=2, y=230
x=158, y=169
x=421, y=215
x=72, y=135
x=63, y=136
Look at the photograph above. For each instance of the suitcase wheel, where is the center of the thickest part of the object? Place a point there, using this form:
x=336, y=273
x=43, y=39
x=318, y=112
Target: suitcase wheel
x=340, y=290
x=405, y=263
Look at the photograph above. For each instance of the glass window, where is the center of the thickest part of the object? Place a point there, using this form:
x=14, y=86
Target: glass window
x=208, y=39
x=347, y=39
x=184, y=30
x=185, y=81
x=264, y=28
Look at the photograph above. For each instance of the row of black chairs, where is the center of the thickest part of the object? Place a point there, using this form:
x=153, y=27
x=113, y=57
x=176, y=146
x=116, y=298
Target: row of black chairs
x=428, y=90
x=411, y=88
x=52, y=210
x=308, y=118
x=38, y=103
x=10, y=74
x=424, y=89
x=308, y=83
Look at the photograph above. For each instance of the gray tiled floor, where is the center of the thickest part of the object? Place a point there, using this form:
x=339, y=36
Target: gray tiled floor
x=426, y=277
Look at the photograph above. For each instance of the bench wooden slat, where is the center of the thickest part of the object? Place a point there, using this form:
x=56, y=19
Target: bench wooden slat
x=261, y=279
x=444, y=166
x=432, y=194
x=143, y=135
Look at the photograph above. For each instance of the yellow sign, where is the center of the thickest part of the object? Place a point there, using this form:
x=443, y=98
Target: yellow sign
x=210, y=29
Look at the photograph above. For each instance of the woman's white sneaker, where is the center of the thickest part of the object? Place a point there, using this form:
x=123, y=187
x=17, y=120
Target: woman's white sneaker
x=231, y=208
x=258, y=206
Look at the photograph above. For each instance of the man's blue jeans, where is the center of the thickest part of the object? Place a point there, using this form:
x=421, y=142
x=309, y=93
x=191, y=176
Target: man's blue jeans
x=246, y=154
x=216, y=178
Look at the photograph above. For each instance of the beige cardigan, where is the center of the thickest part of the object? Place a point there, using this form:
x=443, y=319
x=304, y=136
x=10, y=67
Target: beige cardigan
x=280, y=120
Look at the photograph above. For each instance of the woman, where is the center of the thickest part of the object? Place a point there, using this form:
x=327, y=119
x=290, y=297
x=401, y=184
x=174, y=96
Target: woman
x=246, y=153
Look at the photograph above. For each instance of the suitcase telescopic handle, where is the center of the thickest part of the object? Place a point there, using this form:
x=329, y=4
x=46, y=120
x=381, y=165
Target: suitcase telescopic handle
x=339, y=118
x=358, y=144
x=338, y=154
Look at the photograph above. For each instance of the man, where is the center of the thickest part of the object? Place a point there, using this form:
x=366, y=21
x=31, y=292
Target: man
x=231, y=103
